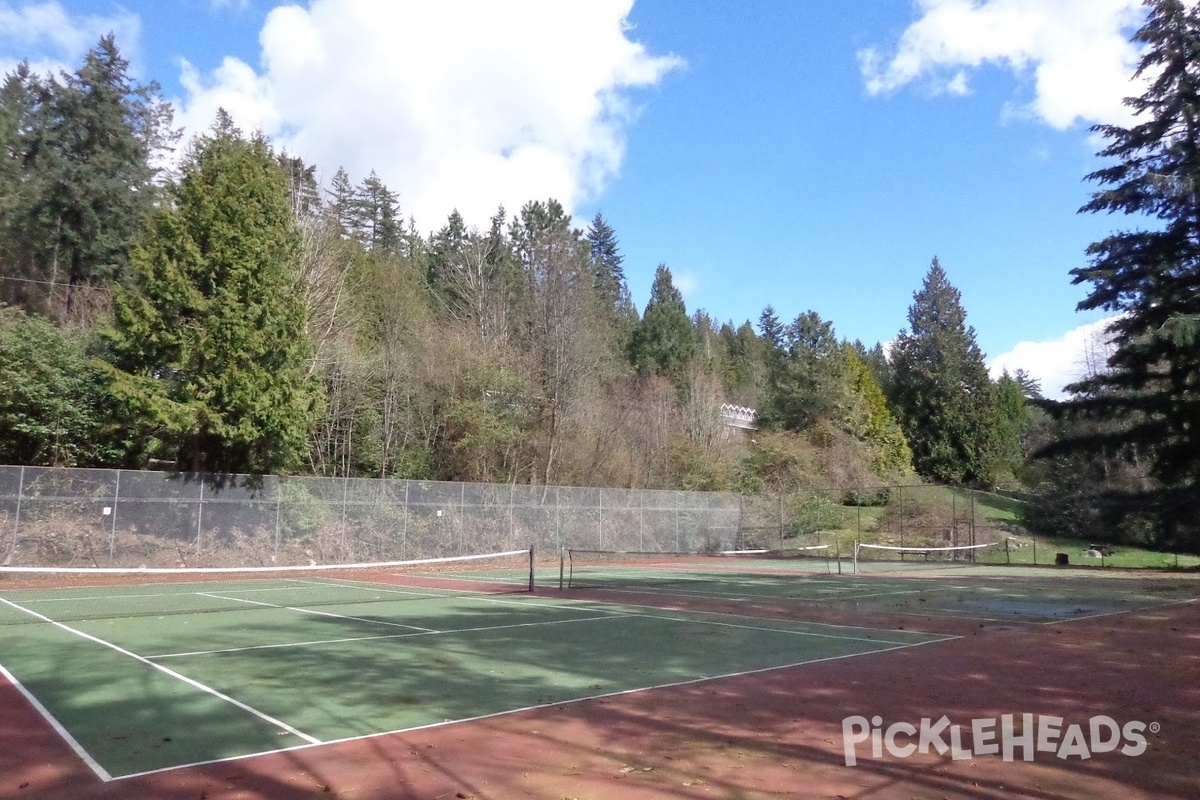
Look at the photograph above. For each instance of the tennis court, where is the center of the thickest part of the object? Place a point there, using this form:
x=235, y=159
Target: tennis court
x=153, y=675
x=873, y=589
x=167, y=674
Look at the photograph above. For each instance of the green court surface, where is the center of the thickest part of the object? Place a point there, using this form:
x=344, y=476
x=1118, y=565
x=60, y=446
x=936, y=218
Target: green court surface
x=987, y=593
x=148, y=676
x=160, y=676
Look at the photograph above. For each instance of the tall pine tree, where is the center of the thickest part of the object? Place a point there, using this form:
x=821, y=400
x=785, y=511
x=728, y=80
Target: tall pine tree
x=607, y=270
x=806, y=376
x=207, y=343
x=663, y=343
x=940, y=389
x=85, y=147
x=1150, y=276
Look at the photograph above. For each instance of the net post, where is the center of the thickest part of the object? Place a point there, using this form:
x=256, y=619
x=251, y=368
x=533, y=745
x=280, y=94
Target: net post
x=531, y=572
x=855, y=564
x=838, y=547
x=972, y=522
x=953, y=518
x=562, y=567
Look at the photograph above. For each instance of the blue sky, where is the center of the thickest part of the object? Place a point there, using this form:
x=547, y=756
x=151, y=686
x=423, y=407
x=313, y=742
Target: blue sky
x=808, y=154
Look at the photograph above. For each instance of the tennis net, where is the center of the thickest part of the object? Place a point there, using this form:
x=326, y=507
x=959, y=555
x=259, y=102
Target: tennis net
x=666, y=571
x=48, y=594
x=887, y=558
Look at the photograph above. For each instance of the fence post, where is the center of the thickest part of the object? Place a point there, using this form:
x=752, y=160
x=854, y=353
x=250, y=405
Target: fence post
x=17, y=517
x=404, y=527
x=678, y=546
x=278, y=514
x=901, y=492
x=462, y=513
x=641, y=520
x=781, y=519
x=858, y=527
x=112, y=531
x=200, y=514
x=740, y=537
x=345, y=494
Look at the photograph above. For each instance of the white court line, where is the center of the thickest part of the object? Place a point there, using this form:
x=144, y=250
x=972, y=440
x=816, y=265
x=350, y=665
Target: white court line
x=539, y=707
x=908, y=591
x=770, y=630
x=1123, y=611
x=319, y=613
x=742, y=597
x=187, y=588
x=431, y=593
x=168, y=671
x=191, y=591
x=389, y=636
x=71, y=741
x=942, y=636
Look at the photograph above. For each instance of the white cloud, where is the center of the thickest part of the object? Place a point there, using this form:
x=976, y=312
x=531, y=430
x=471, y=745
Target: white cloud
x=1057, y=362
x=465, y=105
x=1076, y=53
x=52, y=40
x=686, y=282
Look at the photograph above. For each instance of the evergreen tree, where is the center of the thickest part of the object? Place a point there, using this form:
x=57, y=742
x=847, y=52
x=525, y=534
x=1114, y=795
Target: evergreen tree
x=941, y=392
x=86, y=148
x=446, y=249
x=1016, y=415
x=872, y=422
x=376, y=215
x=1031, y=387
x=607, y=269
x=565, y=344
x=341, y=201
x=54, y=407
x=1151, y=276
x=663, y=342
x=771, y=328
x=806, y=378
x=207, y=343
x=877, y=361
x=301, y=178
x=745, y=364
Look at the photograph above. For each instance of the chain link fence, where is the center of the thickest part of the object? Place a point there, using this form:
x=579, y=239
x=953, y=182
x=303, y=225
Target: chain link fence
x=898, y=515
x=123, y=518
